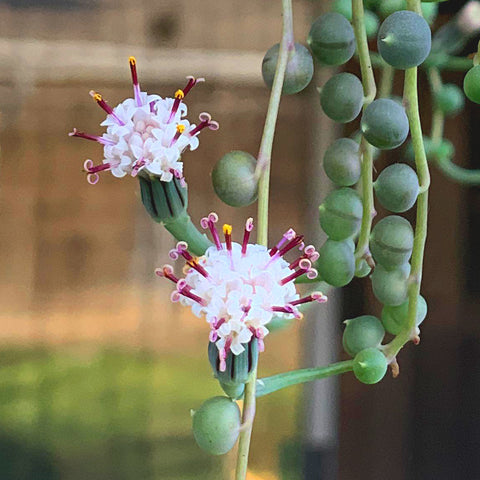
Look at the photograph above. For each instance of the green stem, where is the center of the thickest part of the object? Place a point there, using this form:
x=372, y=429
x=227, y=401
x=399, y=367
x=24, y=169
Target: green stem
x=182, y=228
x=366, y=150
x=386, y=81
x=438, y=118
x=457, y=173
x=282, y=380
x=262, y=172
x=411, y=105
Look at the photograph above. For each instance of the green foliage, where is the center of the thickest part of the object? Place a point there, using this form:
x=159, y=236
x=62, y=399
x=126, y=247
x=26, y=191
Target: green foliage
x=385, y=124
x=449, y=99
x=397, y=187
x=386, y=8
x=362, y=332
x=395, y=318
x=404, y=39
x=336, y=264
x=341, y=162
x=391, y=241
x=370, y=366
x=341, y=214
x=342, y=97
x=234, y=180
x=331, y=39
x=299, y=70
x=344, y=7
x=216, y=425
x=471, y=84
x=390, y=287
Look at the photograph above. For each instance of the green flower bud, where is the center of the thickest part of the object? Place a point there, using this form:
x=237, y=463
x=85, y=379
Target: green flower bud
x=299, y=70
x=336, y=264
x=238, y=367
x=341, y=214
x=216, y=425
x=397, y=187
x=395, y=318
x=449, y=99
x=342, y=162
x=362, y=332
x=164, y=201
x=331, y=39
x=342, y=97
x=471, y=84
x=234, y=180
x=404, y=39
x=370, y=366
x=391, y=241
x=385, y=124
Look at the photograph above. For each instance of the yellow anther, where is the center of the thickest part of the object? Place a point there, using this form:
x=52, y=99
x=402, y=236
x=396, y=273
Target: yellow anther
x=227, y=229
x=180, y=128
x=132, y=60
x=96, y=96
x=179, y=94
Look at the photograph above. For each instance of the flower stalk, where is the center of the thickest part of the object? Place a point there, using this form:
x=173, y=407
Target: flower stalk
x=366, y=150
x=274, y=383
x=411, y=105
x=263, y=174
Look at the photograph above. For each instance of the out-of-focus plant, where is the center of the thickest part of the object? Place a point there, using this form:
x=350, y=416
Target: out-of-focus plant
x=244, y=290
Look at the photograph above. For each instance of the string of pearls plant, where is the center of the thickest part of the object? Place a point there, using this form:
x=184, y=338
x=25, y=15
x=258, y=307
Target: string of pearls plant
x=244, y=290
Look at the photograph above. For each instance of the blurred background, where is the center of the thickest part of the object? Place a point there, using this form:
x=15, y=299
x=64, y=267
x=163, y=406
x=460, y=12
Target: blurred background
x=98, y=370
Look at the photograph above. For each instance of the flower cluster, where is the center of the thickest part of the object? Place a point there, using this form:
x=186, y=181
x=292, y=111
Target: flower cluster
x=146, y=133
x=239, y=288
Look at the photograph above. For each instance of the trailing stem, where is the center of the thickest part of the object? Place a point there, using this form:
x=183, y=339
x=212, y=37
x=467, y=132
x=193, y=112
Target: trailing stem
x=410, y=96
x=262, y=173
x=366, y=150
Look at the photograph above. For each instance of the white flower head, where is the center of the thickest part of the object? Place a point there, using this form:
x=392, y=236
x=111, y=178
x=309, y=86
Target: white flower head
x=146, y=133
x=239, y=288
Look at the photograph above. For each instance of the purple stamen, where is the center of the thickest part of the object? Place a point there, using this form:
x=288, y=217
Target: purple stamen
x=90, y=168
x=136, y=86
x=181, y=94
x=288, y=308
x=105, y=106
x=313, y=297
x=209, y=222
x=95, y=138
x=167, y=272
x=137, y=166
x=205, y=121
x=246, y=235
x=288, y=235
x=176, y=252
x=186, y=292
x=298, y=240
x=309, y=252
x=178, y=133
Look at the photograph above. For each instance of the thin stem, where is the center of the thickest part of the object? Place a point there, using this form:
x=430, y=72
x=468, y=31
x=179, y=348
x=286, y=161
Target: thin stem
x=457, y=173
x=438, y=117
x=282, y=380
x=262, y=172
x=411, y=105
x=386, y=81
x=366, y=150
